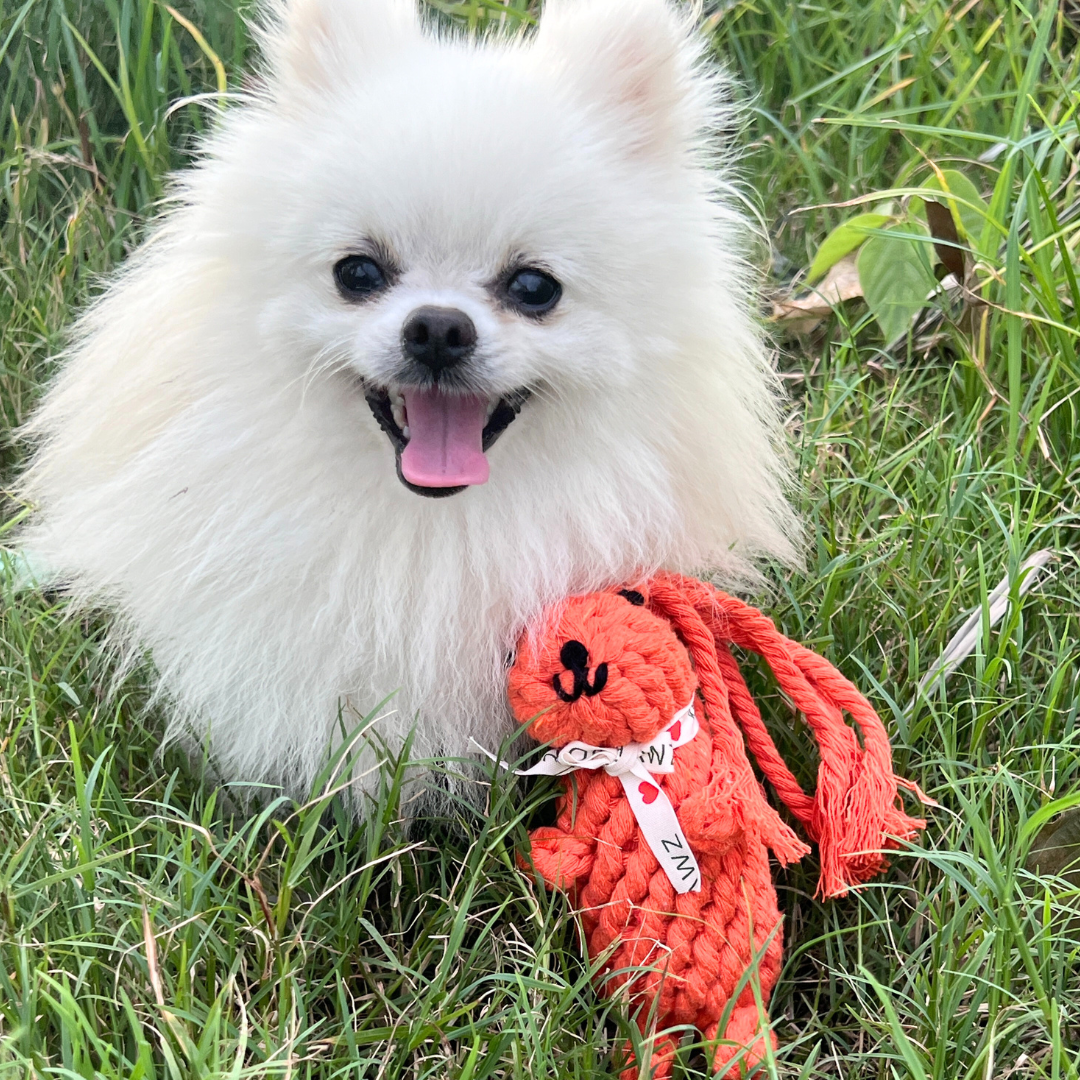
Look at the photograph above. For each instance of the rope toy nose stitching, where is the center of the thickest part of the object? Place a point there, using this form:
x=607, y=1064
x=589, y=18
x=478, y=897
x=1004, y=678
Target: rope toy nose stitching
x=575, y=657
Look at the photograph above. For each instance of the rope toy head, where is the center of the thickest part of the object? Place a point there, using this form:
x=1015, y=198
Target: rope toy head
x=601, y=669
x=664, y=830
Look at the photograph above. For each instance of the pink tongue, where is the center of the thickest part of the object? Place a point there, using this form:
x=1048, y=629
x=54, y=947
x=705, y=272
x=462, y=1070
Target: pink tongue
x=445, y=439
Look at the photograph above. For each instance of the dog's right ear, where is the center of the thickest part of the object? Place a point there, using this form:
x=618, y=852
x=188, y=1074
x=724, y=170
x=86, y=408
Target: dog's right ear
x=315, y=44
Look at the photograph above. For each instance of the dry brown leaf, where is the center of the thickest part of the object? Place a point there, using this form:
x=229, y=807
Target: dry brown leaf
x=803, y=313
x=150, y=943
x=943, y=228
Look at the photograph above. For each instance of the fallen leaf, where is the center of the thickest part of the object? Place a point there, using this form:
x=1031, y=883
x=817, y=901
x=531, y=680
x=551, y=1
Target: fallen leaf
x=803, y=313
x=968, y=207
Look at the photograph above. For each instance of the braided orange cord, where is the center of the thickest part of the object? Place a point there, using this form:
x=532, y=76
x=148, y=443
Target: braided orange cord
x=612, y=668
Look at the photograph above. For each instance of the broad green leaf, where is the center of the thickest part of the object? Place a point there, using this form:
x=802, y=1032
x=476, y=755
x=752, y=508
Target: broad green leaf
x=969, y=221
x=844, y=238
x=894, y=271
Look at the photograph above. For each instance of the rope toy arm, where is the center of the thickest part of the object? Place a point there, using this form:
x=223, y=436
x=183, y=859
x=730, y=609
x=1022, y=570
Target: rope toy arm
x=562, y=859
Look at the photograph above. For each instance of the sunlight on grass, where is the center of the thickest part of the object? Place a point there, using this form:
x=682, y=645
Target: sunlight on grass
x=152, y=926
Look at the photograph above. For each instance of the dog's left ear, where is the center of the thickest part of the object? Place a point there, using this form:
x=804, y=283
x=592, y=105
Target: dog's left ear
x=639, y=59
x=316, y=44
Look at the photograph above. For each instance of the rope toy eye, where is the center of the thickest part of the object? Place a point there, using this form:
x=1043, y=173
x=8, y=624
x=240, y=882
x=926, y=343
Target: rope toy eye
x=664, y=831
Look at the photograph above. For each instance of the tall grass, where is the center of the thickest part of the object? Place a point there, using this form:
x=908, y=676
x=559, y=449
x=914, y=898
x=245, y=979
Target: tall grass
x=152, y=926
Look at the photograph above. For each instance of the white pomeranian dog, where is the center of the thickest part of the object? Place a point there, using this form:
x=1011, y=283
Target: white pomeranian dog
x=436, y=332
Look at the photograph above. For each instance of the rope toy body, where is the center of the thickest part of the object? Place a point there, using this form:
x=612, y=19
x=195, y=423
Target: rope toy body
x=611, y=669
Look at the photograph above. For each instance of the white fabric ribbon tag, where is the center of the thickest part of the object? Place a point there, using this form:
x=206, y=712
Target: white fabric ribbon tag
x=634, y=765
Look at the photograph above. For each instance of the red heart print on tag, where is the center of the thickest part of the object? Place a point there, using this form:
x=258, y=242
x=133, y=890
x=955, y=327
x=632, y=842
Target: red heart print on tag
x=675, y=730
x=648, y=792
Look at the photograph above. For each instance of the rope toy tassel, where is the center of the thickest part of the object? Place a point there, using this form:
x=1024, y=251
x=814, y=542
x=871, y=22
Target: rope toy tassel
x=855, y=814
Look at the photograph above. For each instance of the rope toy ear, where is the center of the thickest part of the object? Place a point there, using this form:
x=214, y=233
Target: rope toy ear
x=854, y=815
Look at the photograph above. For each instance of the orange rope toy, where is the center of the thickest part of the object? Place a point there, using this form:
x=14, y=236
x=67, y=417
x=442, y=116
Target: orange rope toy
x=606, y=679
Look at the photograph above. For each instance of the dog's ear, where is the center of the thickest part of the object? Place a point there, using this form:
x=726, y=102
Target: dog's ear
x=317, y=43
x=640, y=59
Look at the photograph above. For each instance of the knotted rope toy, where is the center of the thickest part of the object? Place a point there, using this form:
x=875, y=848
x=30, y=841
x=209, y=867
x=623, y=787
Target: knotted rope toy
x=649, y=719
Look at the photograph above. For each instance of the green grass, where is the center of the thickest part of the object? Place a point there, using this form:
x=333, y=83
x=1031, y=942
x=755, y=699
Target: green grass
x=151, y=929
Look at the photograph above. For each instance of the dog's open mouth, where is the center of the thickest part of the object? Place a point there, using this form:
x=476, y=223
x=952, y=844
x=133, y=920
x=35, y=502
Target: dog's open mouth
x=441, y=438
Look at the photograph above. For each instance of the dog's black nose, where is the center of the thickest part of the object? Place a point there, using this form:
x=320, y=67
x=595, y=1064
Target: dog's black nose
x=438, y=337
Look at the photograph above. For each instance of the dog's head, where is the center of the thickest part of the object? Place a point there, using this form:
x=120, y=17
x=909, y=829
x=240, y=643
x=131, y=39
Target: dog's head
x=508, y=261
x=473, y=235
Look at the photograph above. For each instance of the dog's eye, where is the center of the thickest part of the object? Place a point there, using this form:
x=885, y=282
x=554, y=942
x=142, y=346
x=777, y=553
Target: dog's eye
x=532, y=291
x=359, y=276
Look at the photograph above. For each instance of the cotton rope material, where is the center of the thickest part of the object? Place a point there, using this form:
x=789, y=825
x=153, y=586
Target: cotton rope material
x=610, y=672
x=634, y=765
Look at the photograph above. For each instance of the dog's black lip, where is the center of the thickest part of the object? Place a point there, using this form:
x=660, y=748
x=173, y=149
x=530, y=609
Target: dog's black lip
x=502, y=416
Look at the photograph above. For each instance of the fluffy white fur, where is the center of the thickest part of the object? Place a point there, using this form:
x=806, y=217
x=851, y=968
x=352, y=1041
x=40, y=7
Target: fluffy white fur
x=208, y=469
